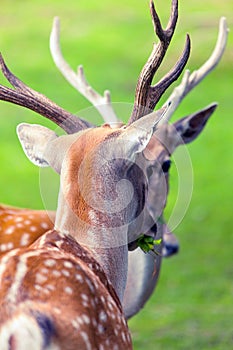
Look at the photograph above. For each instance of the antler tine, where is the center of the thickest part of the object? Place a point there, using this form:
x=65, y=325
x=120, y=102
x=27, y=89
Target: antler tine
x=147, y=96
x=31, y=99
x=78, y=80
x=189, y=80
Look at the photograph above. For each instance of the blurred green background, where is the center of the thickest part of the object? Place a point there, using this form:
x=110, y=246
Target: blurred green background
x=192, y=307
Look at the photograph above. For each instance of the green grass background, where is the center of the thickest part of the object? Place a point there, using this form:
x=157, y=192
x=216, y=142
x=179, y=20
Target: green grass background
x=192, y=307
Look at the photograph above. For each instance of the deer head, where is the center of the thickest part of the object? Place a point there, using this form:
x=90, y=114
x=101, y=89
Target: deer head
x=102, y=156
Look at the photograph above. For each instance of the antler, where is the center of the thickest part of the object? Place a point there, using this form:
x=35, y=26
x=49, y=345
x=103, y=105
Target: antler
x=189, y=80
x=78, y=80
x=24, y=96
x=147, y=96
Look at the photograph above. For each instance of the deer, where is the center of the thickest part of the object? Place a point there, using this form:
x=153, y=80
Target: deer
x=89, y=241
x=146, y=283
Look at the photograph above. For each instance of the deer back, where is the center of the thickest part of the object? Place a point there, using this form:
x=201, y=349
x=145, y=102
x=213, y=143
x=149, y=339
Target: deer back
x=63, y=297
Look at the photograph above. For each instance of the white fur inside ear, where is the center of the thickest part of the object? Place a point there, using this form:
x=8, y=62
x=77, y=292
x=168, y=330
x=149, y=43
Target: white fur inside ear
x=140, y=131
x=34, y=140
x=139, y=138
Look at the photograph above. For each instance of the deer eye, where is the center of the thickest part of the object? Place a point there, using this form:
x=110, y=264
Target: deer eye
x=166, y=165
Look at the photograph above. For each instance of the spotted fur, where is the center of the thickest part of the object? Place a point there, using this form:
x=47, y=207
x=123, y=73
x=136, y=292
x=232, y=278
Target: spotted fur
x=66, y=280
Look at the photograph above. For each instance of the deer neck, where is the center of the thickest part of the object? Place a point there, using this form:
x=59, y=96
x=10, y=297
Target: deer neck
x=108, y=245
x=97, y=202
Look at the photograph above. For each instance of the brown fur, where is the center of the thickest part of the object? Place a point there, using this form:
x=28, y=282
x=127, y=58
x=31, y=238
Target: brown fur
x=82, y=147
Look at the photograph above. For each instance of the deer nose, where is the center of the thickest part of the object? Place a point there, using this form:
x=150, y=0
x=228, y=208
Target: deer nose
x=170, y=249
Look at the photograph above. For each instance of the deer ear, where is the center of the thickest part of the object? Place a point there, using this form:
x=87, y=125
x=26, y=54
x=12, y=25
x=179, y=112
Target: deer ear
x=138, y=134
x=34, y=140
x=191, y=126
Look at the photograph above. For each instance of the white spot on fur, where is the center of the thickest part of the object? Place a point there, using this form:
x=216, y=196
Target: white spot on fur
x=102, y=316
x=10, y=230
x=112, y=315
x=123, y=337
x=110, y=304
x=79, y=278
x=44, y=225
x=19, y=219
x=107, y=342
x=56, y=273
x=75, y=324
x=102, y=298
x=38, y=287
x=100, y=328
x=57, y=310
x=68, y=290
x=94, y=322
x=128, y=337
x=40, y=278
x=85, y=337
x=24, y=239
x=27, y=222
x=86, y=319
x=90, y=285
x=65, y=273
x=10, y=245
x=96, y=284
x=85, y=303
x=68, y=264
x=3, y=247
x=84, y=297
x=50, y=262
